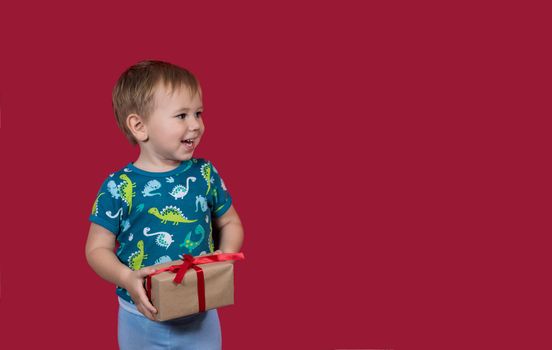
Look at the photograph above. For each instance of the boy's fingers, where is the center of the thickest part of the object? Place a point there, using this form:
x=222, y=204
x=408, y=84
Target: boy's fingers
x=147, y=304
x=149, y=309
x=145, y=272
x=145, y=312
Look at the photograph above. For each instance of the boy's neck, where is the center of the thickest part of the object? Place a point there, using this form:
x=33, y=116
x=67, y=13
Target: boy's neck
x=155, y=165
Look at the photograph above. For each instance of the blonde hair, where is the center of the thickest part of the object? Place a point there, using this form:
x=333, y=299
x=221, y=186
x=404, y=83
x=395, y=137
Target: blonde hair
x=134, y=90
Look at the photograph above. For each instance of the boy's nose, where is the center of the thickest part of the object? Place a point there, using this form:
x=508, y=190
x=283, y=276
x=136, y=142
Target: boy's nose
x=193, y=124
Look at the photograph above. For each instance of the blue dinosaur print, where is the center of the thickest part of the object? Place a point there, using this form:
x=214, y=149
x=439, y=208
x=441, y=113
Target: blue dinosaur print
x=151, y=186
x=113, y=189
x=203, y=202
x=126, y=224
x=139, y=208
x=163, y=259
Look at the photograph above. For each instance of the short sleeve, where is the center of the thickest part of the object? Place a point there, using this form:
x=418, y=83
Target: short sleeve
x=220, y=199
x=107, y=207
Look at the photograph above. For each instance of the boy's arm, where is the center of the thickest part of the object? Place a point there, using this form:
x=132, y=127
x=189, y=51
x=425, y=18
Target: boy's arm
x=231, y=231
x=102, y=259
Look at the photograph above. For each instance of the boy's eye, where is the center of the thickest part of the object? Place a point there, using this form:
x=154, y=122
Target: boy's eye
x=183, y=115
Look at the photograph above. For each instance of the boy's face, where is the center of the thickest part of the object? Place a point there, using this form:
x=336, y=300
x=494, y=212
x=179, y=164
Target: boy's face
x=176, y=118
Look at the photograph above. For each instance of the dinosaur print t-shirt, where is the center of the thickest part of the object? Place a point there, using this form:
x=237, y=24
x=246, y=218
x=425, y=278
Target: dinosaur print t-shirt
x=159, y=216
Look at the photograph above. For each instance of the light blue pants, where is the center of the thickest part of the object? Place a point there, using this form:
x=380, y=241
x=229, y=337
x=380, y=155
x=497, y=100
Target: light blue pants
x=199, y=331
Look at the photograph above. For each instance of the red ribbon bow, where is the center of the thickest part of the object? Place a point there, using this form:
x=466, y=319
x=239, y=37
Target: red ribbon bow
x=191, y=262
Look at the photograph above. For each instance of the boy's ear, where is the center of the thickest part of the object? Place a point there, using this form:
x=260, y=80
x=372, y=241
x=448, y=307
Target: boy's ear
x=137, y=127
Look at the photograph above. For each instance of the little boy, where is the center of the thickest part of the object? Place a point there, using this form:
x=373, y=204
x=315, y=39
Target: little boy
x=161, y=206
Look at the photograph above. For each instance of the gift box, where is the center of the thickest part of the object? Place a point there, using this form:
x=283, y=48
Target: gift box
x=191, y=285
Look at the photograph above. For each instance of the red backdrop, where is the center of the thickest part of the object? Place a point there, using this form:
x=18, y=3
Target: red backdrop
x=390, y=163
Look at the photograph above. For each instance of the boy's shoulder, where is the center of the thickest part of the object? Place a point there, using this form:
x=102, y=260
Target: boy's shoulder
x=114, y=174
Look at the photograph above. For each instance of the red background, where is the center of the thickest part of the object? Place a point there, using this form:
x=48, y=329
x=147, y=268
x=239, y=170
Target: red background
x=390, y=163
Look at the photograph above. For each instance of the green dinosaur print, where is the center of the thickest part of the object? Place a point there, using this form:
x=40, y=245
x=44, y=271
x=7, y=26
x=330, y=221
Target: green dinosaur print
x=191, y=245
x=170, y=213
x=215, y=194
x=206, y=173
x=136, y=259
x=95, y=206
x=210, y=239
x=127, y=190
x=219, y=208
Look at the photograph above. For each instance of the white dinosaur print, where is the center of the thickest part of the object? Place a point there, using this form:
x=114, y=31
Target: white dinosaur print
x=113, y=216
x=170, y=179
x=163, y=239
x=180, y=191
x=151, y=186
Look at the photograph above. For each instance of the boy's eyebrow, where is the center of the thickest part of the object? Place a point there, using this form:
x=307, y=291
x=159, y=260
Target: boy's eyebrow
x=185, y=109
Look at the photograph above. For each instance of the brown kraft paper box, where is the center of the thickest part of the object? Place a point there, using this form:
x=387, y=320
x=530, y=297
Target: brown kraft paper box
x=177, y=300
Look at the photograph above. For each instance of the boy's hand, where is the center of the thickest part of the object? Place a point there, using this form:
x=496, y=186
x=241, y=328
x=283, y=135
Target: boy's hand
x=214, y=253
x=134, y=284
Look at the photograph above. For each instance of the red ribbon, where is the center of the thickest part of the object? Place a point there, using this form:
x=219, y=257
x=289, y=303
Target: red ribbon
x=191, y=262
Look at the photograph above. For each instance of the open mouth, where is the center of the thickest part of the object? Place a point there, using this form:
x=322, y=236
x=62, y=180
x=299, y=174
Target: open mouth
x=189, y=144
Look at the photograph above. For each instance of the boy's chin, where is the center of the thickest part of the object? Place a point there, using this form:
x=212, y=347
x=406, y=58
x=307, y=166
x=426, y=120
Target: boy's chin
x=187, y=156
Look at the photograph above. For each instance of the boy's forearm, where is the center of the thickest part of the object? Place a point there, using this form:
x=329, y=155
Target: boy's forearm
x=231, y=237
x=105, y=263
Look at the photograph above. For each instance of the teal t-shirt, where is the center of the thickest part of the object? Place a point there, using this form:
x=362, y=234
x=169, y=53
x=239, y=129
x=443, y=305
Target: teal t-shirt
x=159, y=216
